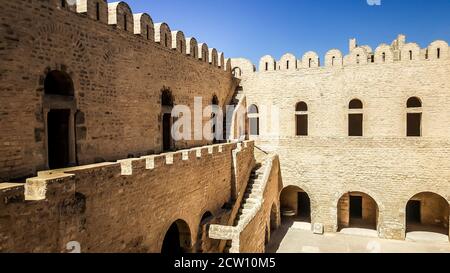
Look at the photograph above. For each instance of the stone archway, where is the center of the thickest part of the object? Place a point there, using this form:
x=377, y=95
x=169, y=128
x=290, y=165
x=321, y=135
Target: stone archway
x=295, y=203
x=202, y=244
x=177, y=239
x=357, y=210
x=427, y=217
x=59, y=109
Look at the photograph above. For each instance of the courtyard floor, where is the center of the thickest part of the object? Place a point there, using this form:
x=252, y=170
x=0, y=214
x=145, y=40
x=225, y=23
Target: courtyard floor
x=296, y=237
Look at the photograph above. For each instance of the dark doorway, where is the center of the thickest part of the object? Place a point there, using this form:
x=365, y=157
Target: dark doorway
x=356, y=207
x=58, y=138
x=413, y=214
x=171, y=244
x=302, y=125
x=304, y=206
x=414, y=124
x=355, y=125
x=167, y=135
x=177, y=239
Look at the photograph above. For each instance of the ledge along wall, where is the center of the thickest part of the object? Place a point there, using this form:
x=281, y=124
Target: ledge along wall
x=126, y=206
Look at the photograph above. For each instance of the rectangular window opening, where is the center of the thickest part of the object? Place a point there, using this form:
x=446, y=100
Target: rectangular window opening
x=302, y=125
x=414, y=125
x=355, y=124
x=97, y=11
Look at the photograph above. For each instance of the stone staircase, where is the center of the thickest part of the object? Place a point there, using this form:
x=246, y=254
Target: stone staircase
x=255, y=188
x=238, y=94
x=251, y=204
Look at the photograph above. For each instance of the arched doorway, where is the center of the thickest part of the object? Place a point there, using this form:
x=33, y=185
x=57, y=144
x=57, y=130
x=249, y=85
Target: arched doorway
x=357, y=210
x=427, y=212
x=177, y=239
x=59, y=110
x=215, y=104
x=295, y=204
x=203, y=232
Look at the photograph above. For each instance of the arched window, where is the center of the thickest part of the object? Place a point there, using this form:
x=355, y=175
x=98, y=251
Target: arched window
x=237, y=72
x=301, y=116
x=414, y=117
x=58, y=83
x=267, y=66
x=414, y=102
x=125, y=22
x=287, y=64
x=355, y=104
x=383, y=56
x=355, y=118
x=253, y=117
x=215, y=103
x=410, y=55
x=438, y=53
x=332, y=60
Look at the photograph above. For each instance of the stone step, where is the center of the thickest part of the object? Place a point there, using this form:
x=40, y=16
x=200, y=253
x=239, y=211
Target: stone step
x=250, y=201
x=244, y=210
x=248, y=206
x=252, y=195
x=254, y=190
x=254, y=175
x=259, y=171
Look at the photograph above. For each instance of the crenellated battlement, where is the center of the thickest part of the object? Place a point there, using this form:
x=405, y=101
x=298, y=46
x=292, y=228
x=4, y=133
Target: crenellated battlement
x=359, y=55
x=120, y=16
x=36, y=188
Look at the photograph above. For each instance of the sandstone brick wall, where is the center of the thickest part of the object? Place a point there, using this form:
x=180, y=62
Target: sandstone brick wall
x=384, y=163
x=118, y=76
x=119, y=207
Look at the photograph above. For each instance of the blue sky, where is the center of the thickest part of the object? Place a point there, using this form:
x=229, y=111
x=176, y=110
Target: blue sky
x=253, y=28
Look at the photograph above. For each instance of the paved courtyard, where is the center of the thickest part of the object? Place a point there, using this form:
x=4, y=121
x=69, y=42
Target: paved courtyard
x=296, y=237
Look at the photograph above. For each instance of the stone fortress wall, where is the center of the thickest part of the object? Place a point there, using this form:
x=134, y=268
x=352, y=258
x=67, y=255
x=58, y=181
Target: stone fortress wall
x=118, y=64
x=382, y=165
x=125, y=206
x=112, y=77
x=117, y=75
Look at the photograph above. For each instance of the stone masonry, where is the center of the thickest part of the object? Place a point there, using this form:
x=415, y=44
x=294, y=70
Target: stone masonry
x=86, y=94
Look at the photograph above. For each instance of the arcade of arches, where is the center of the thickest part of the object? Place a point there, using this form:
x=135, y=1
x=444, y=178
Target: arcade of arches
x=424, y=212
